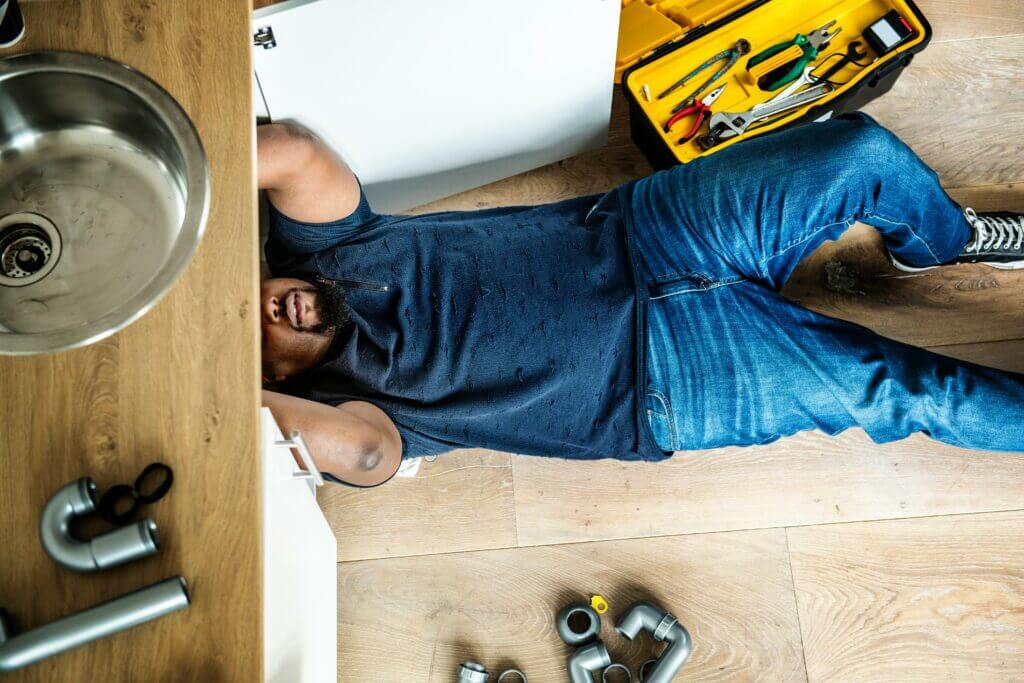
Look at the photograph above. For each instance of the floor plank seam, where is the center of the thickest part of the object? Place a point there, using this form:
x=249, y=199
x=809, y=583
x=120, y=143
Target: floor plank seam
x=967, y=39
x=515, y=505
x=1005, y=184
x=993, y=341
x=610, y=539
x=796, y=607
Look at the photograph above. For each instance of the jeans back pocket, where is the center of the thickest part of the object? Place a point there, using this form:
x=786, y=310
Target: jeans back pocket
x=662, y=420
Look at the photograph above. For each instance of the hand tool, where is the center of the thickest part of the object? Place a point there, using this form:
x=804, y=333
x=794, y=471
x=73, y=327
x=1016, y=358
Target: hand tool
x=702, y=108
x=805, y=79
x=730, y=56
x=730, y=124
x=853, y=53
x=802, y=50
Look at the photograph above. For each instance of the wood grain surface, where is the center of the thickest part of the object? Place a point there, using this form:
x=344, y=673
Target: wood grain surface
x=461, y=501
x=914, y=600
x=178, y=386
x=809, y=478
x=416, y=618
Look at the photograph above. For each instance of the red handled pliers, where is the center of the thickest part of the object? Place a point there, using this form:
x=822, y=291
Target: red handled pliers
x=701, y=108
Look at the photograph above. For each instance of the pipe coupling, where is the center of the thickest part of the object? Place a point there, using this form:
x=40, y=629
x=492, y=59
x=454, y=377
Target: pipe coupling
x=578, y=624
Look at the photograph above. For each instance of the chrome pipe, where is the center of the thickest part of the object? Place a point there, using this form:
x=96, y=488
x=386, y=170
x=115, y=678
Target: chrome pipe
x=110, y=549
x=664, y=628
x=586, y=660
x=119, y=614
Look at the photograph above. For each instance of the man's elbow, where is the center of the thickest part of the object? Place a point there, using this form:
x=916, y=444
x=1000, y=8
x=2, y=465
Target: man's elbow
x=379, y=461
x=373, y=461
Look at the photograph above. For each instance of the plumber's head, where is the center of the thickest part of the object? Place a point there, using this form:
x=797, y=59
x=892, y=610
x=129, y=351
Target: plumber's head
x=299, y=320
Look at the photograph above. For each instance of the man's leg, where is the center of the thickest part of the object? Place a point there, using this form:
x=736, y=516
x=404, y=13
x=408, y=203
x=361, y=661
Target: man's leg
x=732, y=362
x=756, y=209
x=738, y=364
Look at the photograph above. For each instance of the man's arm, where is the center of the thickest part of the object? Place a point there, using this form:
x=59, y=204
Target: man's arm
x=356, y=441
x=303, y=178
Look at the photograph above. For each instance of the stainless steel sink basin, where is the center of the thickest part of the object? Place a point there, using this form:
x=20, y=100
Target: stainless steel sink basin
x=104, y=192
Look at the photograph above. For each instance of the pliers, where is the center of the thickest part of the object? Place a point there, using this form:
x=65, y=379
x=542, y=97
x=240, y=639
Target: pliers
x=702, y=108
x=803, y=49
x=730, y=55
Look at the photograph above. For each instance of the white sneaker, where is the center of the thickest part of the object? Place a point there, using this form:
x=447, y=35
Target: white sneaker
x=998, y=242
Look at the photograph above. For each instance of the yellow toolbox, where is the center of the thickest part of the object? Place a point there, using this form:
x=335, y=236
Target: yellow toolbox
x=743, y=68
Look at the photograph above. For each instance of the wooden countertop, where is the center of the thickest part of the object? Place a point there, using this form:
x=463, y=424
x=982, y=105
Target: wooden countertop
x=180, y=385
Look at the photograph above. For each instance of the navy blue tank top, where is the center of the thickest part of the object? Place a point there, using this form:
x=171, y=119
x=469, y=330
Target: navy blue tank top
x=518, y=329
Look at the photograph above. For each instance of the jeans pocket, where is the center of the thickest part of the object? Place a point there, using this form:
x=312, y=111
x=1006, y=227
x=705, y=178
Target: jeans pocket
x=662, y=420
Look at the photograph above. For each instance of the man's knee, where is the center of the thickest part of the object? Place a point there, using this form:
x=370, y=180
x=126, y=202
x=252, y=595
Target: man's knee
x=867, y=142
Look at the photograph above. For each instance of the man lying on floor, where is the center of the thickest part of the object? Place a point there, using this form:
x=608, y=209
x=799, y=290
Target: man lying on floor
x=629, y=325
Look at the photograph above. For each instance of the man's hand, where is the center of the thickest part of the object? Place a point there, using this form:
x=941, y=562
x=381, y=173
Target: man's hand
x=355, y=441
x=303, y=178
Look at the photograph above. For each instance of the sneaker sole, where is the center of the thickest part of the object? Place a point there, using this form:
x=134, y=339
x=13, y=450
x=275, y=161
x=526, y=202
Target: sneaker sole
x=1012, y=265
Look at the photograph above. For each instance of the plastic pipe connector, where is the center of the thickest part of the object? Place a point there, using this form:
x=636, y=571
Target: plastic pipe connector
x=586, y=660
x=110, y=549
x=644, y=616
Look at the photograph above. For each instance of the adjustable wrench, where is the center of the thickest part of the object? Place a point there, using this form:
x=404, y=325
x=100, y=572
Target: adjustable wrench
x=730, y=124
x=805, y=78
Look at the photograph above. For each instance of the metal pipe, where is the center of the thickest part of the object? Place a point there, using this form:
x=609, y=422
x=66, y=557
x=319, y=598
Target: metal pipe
x=110, y=549
x=586, y=632
x=664, y=628
x=91, y=624
x=472, y=672
x=586, y=660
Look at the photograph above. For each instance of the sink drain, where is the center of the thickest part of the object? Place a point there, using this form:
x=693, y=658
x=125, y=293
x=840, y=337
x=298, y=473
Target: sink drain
x=30, y=247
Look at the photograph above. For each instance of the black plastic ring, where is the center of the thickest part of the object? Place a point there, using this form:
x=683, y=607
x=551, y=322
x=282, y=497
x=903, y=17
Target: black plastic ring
x=108, y=504
x=161, y=490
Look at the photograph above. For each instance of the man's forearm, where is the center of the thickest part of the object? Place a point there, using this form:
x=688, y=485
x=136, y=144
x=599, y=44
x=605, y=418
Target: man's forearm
x=346, y=441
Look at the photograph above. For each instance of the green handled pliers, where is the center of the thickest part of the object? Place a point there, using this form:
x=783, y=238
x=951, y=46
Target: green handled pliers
x=808, y=43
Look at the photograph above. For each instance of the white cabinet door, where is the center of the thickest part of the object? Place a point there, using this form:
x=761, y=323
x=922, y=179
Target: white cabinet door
x=426, y=99
x=300, y=599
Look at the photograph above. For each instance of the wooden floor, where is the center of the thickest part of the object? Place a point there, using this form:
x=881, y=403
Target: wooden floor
x=816, y=558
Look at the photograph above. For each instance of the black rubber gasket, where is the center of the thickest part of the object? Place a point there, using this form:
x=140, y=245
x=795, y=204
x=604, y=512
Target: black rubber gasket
x=149, y=473
x=108, y=504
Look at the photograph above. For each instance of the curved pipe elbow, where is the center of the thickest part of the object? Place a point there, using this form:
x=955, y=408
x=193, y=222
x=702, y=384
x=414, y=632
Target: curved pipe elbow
x=641, y=616
x=663, y=627
x=73, y=500
x=673, y=657
x=586, y=660
x=121, y=545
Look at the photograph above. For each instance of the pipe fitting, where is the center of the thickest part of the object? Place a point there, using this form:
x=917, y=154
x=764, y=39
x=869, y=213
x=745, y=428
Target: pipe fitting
x=617, y=666
x=74, y=630
x=569, y=628
x=110, y=549
x=471, y=672
x=586, y=660
x=663, y=627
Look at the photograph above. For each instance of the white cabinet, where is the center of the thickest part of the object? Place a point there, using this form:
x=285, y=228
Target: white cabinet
x=426, y=99
x=300, y=599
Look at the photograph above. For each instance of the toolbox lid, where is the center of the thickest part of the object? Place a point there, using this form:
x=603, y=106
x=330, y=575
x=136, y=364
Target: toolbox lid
x=646, y=25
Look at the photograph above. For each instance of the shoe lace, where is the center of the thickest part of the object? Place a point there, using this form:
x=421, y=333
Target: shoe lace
x=995, y=232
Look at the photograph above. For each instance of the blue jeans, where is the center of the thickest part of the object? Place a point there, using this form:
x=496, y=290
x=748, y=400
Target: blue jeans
x=732, y=362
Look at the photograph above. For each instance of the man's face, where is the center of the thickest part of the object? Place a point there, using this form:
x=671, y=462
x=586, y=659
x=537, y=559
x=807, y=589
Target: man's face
x=299, y=320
